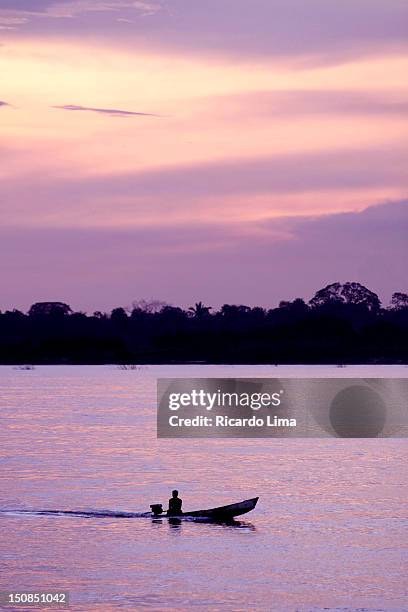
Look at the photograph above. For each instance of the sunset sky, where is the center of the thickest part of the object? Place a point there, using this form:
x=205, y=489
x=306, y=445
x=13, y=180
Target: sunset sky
x=239, y=151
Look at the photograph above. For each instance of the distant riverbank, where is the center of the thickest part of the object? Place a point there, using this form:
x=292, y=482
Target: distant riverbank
x=341, y=324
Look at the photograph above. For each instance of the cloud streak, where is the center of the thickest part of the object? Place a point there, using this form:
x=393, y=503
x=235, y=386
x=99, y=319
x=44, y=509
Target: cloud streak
x=295, y=173
x=257, y=263
x=113, y=112
x=306, y=33
x=3, y=103
x=190, y=191
x=313, y=103
x=68, y=9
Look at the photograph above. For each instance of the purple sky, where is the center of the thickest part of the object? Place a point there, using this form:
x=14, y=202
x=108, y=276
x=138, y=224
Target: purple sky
x=225, y=151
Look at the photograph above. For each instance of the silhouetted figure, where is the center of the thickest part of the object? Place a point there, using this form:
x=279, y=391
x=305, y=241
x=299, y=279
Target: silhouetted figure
x=175, y=504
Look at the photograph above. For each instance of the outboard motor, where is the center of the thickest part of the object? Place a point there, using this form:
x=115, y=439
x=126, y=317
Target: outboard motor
x=156, y=509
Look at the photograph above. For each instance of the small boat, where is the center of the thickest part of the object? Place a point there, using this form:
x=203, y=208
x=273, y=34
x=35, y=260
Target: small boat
x=222, y=513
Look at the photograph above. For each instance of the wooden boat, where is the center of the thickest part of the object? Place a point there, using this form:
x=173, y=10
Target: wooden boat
x=222, y=513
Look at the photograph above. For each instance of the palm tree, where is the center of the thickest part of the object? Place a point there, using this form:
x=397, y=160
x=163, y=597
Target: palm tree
x=199, y=311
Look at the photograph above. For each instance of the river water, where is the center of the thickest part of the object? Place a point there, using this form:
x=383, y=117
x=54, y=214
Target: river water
x=329, y=531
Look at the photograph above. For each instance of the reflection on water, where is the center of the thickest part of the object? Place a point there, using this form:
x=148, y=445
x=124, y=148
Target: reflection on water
x=328, y=532
x=97, y=514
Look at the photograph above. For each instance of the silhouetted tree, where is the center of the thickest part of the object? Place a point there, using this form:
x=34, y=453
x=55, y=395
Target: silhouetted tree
x=149, y=306
x=231, y=311
x=13, y=315
x=358, y=295
x=118, y=315
x=353, y=294
x=49, y=309
x=331, y=294
x=399, y=301
x=297, y=306
x=172, y=313
x=258, y=313
x=199, y=310
x=99, y=315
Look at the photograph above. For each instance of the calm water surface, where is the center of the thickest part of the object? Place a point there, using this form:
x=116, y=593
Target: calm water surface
x=329, y=533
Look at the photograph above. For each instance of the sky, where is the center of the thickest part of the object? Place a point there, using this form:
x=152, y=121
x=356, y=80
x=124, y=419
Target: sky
x=228, y=151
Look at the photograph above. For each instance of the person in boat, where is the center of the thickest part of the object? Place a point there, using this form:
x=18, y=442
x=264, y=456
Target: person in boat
x=175, y=504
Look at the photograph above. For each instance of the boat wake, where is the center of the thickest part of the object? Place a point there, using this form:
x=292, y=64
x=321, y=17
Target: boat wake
x=78, y=513
x=114, y=514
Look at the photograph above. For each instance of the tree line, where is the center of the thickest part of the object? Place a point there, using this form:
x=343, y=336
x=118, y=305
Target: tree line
x=342, y=323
